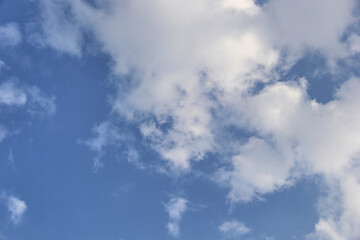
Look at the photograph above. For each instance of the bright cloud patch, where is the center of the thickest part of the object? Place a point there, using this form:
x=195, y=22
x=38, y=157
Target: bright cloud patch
x=16, y=208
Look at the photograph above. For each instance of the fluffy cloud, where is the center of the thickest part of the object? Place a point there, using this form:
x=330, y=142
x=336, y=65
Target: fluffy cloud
x=315, y=24
x=298, y=136
x=16, y=208
x=186, y=76
x=176, y=207
x=10, y=35
x=192, y=62
x=233, y=229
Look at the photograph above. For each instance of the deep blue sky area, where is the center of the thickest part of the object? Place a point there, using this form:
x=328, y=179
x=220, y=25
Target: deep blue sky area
x=46, y=162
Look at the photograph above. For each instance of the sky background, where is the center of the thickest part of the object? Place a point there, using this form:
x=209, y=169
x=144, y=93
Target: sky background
x=206, y=119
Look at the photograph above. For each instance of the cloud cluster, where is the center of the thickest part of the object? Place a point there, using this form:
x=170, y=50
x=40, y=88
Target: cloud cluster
x=187, y=73
x=186, y=63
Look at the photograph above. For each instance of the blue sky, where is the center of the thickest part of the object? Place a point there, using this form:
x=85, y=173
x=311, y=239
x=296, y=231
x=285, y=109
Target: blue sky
x=202, y=119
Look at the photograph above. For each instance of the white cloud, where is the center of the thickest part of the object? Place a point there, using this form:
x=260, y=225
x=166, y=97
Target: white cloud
x=11, y=94
x=176, y=207
x=193, y=70
x=259, y=169
x=31, y=99
x=304, y=136
x=134, y=158
x=10, y=35
x=17, y=208
x=316, y=24
x=181, y=57
x=354, y=43
x=105, y=134
x=57, y=30
x=233, y=229
x=325, y=230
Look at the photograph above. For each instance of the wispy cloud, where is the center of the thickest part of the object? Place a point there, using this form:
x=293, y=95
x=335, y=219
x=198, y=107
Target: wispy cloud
x=233, y=229
x=40, y=103
x=16, y=208
x=29, y=99
x=11, y=94
x=57, y=31
x=3, y=133
x=10, y=35
x=176, y=207
x=105, y=134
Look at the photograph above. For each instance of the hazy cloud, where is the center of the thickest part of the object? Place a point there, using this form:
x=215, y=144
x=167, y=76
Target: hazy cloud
x=10, y=35
x=233, y=229
x=176, y=207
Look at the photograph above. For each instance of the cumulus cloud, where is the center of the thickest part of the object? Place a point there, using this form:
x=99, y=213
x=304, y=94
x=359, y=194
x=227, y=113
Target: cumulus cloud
x=10, y=35
x=186, y=76
x=189, y=63
x=176, y=207
x=16, y=208
x=233, y=229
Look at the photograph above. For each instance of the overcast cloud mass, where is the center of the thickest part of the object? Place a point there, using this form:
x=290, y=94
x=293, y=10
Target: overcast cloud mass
x=201, y=119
